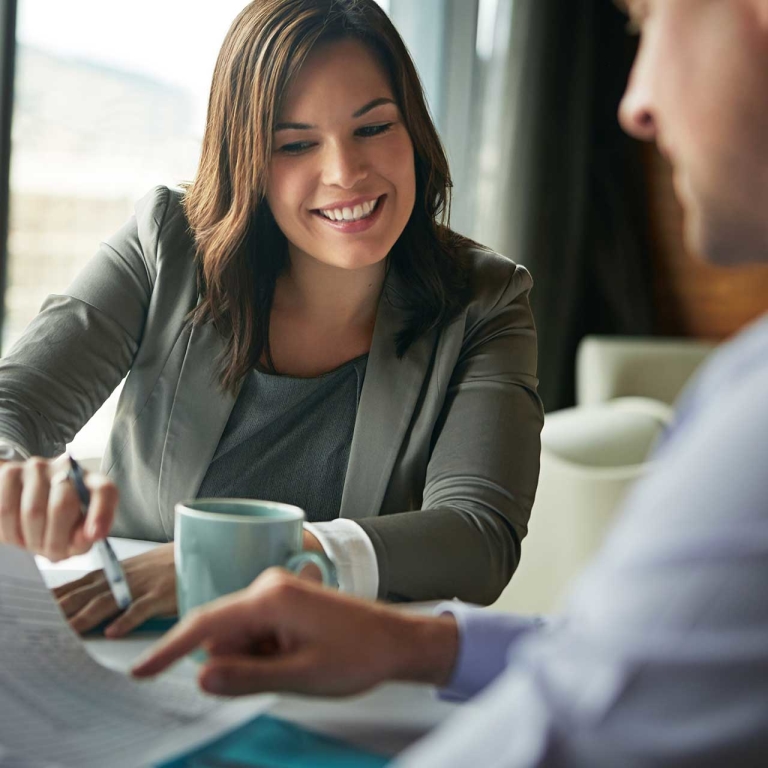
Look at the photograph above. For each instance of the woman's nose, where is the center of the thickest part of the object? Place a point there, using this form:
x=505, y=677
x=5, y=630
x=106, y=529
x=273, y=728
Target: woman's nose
x=343, y=166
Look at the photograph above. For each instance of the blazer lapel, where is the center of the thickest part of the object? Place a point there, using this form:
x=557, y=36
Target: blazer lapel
x=199, y=414
x=387, y=402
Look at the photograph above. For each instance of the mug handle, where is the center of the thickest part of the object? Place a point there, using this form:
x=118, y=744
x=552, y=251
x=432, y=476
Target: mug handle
x=323, y=562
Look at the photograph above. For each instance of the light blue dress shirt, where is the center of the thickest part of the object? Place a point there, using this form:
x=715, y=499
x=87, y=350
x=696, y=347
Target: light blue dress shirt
x=660, y=654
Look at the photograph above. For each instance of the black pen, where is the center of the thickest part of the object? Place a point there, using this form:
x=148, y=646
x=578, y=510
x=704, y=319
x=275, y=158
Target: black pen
x=113, y=571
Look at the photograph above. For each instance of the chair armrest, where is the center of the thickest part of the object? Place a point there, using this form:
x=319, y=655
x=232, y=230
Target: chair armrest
x=623, y=366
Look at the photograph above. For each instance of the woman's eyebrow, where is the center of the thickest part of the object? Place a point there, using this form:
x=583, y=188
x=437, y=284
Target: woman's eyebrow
x=294, y=127
x=358, y=113
x=372, y=105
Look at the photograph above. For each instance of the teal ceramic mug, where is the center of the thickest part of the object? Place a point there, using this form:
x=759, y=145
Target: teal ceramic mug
x=222, y=545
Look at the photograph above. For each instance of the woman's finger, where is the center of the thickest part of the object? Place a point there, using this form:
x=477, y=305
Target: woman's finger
x=94, y=577
x=75, y=601
x=10, y=498
x=139, y=611
x=101, y=512
x=64, y=518
x=34, y=504
x=79, y=544
x=97, y=610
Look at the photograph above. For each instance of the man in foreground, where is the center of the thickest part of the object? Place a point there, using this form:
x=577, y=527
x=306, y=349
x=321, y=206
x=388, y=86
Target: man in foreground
x=660, y=656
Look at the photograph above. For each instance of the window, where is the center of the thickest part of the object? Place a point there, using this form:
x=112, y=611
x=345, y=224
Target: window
x=461, y=51
x=106, y=106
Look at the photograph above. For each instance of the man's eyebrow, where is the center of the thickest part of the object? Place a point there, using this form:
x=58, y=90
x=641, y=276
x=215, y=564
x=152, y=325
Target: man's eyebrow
x=358, y=113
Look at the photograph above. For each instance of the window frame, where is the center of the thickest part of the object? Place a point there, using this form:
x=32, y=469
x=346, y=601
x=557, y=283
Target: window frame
x=8, y=10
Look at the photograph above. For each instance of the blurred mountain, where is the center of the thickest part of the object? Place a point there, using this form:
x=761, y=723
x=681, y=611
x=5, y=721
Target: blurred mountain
x=87, y=142
x=87, y=128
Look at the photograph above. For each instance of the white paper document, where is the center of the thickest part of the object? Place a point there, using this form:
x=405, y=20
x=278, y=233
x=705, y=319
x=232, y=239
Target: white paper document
x=59, y=708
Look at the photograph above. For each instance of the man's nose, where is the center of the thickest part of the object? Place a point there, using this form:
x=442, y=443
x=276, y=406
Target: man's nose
x=636, y=112
x=344, y=165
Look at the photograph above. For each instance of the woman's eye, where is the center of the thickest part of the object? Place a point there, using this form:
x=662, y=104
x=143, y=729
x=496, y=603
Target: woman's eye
x=296, y=147
x=373, y=130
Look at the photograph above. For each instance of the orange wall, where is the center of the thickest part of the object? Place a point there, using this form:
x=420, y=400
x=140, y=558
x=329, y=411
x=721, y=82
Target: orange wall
x=693, y=298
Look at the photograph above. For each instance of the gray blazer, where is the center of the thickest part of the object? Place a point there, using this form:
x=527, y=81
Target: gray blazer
x=445, y=455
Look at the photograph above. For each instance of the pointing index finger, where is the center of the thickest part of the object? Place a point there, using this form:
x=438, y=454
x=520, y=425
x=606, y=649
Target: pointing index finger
x=101, y=510
x=182, y=639
x=226, y=618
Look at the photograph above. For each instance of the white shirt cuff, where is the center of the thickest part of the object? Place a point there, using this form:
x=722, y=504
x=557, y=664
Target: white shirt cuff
x=352, y=552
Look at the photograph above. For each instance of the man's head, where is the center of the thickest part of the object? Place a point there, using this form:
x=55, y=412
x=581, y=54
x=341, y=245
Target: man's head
x=699, y=88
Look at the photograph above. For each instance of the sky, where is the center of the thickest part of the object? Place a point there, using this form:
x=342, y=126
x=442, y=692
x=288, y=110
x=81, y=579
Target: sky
x=173, y=40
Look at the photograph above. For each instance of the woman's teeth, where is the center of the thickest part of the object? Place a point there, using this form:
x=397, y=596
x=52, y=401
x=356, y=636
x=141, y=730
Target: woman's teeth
x=351, y=214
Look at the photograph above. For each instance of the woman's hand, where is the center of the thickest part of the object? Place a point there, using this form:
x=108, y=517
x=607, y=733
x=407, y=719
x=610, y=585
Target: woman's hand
x=310, y=571
x=152, y=579
x=40, y=508
x=287, y=634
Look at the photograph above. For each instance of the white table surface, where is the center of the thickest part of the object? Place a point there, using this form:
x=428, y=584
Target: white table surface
x=385, y=720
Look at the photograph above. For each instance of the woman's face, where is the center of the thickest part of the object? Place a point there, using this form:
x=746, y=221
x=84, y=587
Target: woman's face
x=342, y=181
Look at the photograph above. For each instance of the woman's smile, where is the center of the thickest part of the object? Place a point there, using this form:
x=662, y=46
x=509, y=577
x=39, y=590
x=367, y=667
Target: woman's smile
x=352, y=216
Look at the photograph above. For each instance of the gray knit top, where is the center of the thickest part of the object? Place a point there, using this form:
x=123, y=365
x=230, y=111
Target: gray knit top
x=288, y=439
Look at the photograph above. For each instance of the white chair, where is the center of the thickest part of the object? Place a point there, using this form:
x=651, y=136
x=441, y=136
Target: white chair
x=591, y=456
x=642, y=366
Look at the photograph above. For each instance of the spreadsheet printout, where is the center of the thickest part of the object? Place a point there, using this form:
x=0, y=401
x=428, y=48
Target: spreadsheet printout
x=61, y=708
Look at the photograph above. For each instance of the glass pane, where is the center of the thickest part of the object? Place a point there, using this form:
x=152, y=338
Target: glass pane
x=105, y=108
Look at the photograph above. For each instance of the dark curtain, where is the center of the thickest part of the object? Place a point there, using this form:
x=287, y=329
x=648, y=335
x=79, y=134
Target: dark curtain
x=7, y=59
x=578, y=205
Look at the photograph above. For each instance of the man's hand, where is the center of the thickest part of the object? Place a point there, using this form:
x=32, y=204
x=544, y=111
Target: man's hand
x=152, y=579
x=287, y=634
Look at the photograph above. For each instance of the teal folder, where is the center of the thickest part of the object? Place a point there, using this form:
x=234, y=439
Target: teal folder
x=157, y=624
x=268, y=742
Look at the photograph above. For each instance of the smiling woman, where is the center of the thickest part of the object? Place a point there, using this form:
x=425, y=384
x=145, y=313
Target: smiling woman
x=298, y=324
x=349, y=171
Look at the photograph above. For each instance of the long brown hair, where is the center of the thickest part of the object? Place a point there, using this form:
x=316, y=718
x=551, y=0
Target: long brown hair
x=241, y=250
